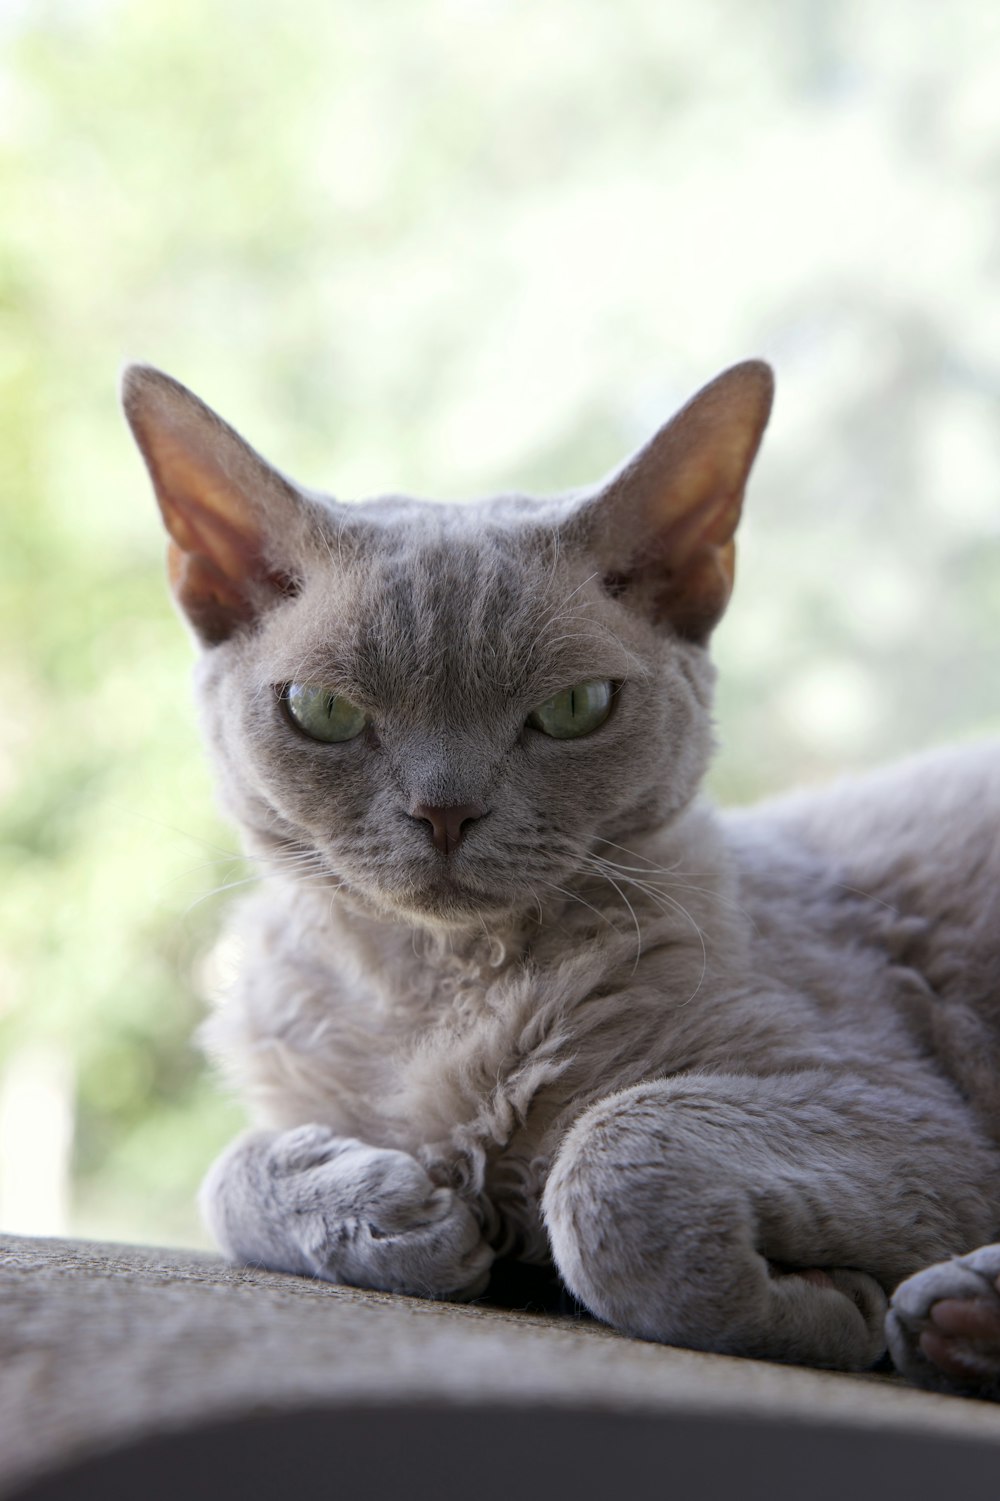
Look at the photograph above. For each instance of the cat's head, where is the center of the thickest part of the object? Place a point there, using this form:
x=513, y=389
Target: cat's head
x=447, y=708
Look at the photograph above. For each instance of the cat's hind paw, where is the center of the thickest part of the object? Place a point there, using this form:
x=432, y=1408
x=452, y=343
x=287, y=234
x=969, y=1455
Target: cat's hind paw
x=943, y=1326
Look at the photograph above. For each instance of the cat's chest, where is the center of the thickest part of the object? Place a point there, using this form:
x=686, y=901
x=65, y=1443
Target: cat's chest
x=477, y=1068
x=480, y=1071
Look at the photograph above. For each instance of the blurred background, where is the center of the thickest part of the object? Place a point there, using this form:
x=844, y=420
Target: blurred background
x=450, y=248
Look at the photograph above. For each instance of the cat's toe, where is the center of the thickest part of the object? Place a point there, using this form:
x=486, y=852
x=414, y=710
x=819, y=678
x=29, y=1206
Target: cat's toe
x=943, y=1326
x=870, y=1301
x=306, y=1147
x=440, y=1257
x=985, y=1260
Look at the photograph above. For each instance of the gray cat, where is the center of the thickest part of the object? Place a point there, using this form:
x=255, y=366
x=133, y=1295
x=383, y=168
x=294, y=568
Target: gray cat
x=511, y=989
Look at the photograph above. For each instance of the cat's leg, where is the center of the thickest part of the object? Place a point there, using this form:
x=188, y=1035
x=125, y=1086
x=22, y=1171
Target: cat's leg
x=671, y=1206
x=310, y=1201
x=943, y=1325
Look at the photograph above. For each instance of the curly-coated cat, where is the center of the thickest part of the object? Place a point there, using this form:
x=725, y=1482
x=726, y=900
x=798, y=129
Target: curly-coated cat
x=512, y=989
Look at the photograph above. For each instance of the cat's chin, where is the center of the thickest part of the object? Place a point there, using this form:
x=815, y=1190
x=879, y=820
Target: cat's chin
x=440, y=902
x=448, y=909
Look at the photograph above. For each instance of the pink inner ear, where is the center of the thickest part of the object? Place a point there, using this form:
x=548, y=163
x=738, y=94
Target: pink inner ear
x=228, y=514
x=215, y=603
x=693, y=599
x=693, y=524
x=671, y=513
x=217, y=531
x=216, y=560
x=204, y=508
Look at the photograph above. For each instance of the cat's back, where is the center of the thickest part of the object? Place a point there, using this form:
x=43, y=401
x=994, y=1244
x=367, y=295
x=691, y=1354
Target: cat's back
x=923, y=835
x=910, y=853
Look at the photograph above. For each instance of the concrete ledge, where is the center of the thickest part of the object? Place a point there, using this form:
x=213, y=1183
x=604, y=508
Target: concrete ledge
x=129, y=1371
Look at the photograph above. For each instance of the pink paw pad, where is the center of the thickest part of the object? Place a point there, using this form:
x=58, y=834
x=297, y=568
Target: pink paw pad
x=962, y=1338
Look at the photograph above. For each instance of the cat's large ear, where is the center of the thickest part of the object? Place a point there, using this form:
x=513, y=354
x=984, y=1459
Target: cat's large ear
x=663, y=526
x=233, y=521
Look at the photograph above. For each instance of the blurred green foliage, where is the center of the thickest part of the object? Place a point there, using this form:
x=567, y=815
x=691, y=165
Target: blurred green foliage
x=451, y=248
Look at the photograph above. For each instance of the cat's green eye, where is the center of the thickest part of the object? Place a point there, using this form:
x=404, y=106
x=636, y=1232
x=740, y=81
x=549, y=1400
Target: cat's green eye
x=574, y=711
x=321, y=714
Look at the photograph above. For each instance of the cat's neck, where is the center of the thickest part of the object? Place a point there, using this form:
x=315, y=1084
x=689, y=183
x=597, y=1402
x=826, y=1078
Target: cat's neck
x=382, y=941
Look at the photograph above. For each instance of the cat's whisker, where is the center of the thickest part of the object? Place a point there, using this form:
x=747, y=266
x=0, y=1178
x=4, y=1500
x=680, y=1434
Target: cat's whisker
x=170, y=828
x=267, y=867
x=574, y=896
x=858, y=891
x=629, y=661
x=557, y=610
x=640, y=871
x=304, y=866
x=675, y=869
x=666, y=902
x=723, y=901
x=188, y=874
x=638, y=930
x=194, y=870
x=635, y=855
x=291, y=858
x=677, y=906
x=656, y=891
x=639, y=879
x=341, y=527
x=645, y=870
x=297, y=870
x=819, y=879
x=317, y=876
x=220, y=890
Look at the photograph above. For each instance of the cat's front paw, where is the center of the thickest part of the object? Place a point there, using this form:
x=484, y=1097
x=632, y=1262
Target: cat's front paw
x=307, y=1200
x=943, y=1325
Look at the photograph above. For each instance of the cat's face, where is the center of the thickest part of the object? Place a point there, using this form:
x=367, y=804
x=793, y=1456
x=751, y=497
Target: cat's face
x=447, y=708
x=440, y=635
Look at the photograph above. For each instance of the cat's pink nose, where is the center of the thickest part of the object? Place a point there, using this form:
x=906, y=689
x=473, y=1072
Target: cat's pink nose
x=448, y=824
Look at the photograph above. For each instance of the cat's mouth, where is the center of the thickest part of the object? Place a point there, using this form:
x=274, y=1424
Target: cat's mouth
x=450, y=892
x=446, y=893
x=443, y=896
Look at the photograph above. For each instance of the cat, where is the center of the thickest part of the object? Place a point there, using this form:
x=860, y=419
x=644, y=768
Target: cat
x=511, y=988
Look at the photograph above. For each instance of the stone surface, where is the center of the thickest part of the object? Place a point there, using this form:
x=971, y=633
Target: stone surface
x=104, y=1344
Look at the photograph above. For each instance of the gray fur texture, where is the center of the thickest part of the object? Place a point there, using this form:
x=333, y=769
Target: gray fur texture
x=736, y=1074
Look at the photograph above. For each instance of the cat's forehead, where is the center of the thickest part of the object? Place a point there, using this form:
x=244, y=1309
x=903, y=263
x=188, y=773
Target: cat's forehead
x=435, y=603
x=431, y=559
x=452, y=562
